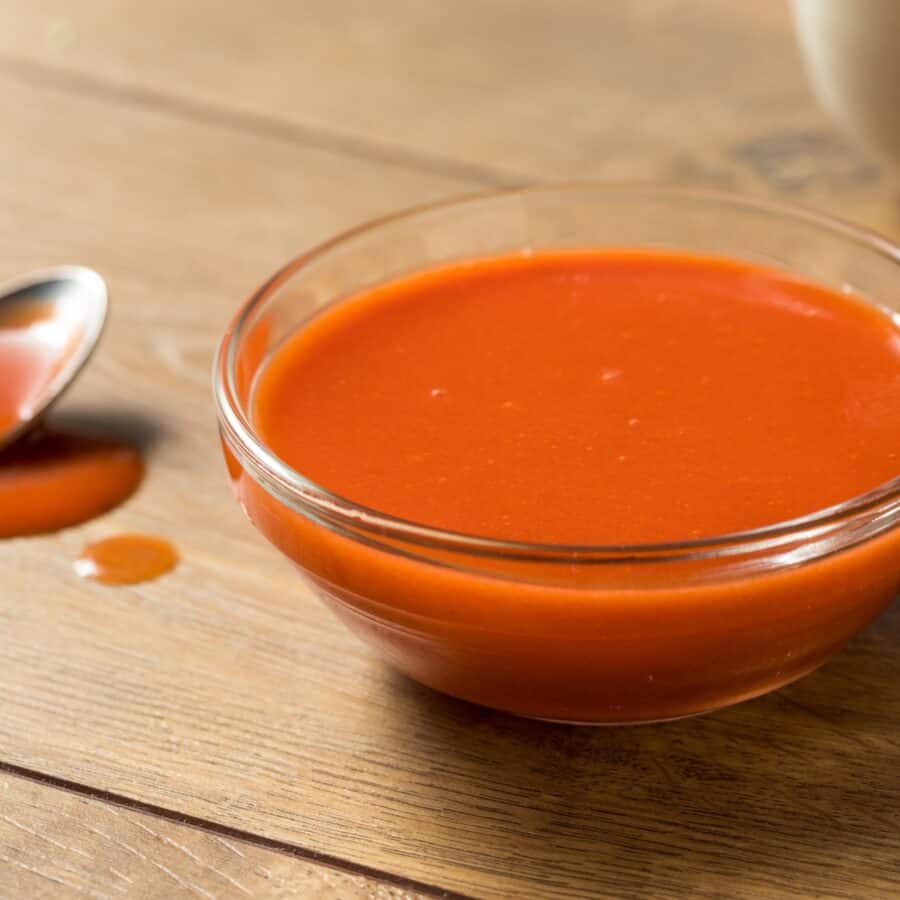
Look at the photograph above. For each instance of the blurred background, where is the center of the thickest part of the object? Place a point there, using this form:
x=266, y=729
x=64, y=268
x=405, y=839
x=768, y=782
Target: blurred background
x=187, y=150
x=236, y=108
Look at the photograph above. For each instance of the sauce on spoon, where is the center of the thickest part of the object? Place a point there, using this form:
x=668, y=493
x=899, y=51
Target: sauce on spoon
x=52, y=478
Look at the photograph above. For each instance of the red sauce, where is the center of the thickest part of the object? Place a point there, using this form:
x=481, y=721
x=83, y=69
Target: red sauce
x=28, y=360
x=127, y=559
x=53, y=479
x=591, y=398
x=588, y=397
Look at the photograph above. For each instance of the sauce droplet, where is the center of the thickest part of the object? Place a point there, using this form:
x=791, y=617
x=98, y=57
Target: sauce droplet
x=126, y=559
x=52, y=479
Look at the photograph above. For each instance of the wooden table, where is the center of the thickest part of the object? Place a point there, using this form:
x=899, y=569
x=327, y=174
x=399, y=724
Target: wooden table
x=216, y=733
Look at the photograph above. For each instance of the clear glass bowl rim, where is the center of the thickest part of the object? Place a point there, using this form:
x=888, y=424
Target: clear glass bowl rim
x=309, y=498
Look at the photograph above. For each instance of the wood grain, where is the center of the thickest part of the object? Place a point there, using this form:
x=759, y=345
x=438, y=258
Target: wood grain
x=56, y=844
x=693, y=91
x=582, y=83
x=186, y=150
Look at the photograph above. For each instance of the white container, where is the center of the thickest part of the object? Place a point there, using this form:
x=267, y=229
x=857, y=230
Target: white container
x=852, y=50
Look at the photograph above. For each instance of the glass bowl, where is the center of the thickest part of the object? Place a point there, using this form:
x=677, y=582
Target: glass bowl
x=592, y=634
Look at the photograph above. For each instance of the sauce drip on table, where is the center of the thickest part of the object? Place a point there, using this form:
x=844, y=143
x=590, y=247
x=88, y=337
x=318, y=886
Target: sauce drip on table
x=127, y=559
x=590, y=397
x=52, y=479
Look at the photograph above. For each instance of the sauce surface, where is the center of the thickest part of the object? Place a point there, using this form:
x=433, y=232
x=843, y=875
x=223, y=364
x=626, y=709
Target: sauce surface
x=52, y=479
x=590, y=397
x=126, y=559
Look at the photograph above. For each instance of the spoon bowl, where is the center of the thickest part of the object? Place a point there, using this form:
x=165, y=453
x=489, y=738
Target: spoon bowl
x=50, y=322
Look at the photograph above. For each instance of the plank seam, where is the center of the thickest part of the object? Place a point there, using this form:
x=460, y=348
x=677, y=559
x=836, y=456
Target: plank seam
x=69, y=81
x=219, y=830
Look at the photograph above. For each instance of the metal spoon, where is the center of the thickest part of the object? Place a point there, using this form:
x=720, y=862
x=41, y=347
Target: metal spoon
x=50, y=322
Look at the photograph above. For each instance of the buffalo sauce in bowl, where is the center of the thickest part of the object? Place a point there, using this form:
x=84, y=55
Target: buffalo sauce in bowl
x=589, y=485
x=591, y=398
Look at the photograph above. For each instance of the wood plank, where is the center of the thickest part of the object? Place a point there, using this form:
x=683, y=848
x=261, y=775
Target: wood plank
x=224, y=693
x=706, y=92
x=57, y=844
